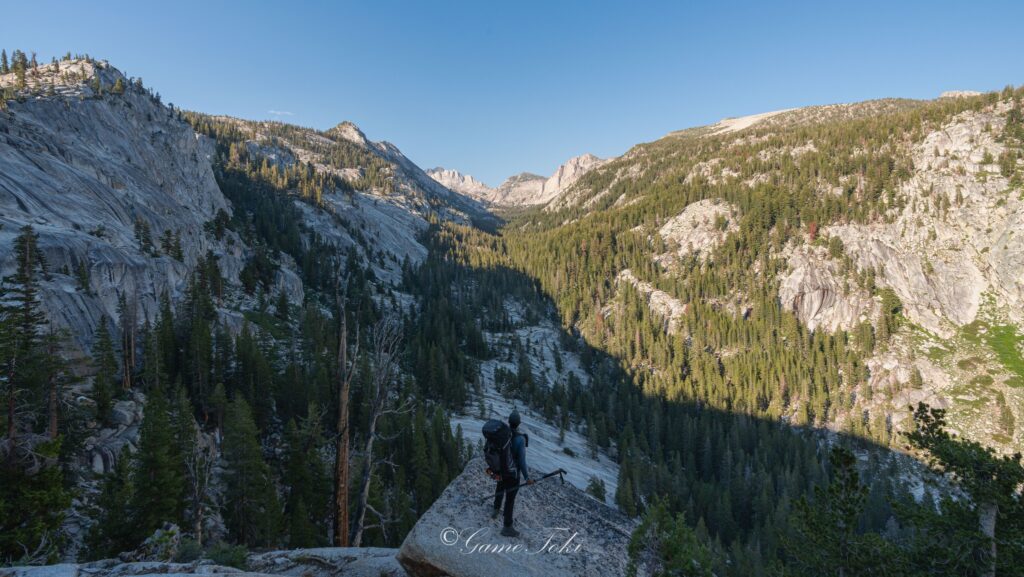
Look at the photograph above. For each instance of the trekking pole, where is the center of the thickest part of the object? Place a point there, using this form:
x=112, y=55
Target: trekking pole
x=560, y=472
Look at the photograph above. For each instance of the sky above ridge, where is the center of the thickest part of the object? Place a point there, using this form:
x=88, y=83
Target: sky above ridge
x=496, y=88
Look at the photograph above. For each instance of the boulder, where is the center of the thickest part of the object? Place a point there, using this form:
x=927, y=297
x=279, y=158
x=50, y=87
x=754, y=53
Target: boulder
x=563, y=531
x=123, y=413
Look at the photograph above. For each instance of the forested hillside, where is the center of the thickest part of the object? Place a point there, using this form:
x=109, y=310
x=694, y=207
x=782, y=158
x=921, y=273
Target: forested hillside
x=729, y=377
x=271, y=336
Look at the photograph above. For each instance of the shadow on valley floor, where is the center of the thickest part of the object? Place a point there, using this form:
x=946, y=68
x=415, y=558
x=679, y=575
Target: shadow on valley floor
x=735, y=476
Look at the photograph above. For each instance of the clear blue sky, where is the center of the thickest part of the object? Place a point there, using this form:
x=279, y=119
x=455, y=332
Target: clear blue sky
x=497, y=87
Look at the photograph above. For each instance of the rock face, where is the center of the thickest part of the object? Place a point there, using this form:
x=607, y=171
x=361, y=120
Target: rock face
x=523, y=189
x=325, y=562
x=519, y=189
x=460, y=183
x=660, y=302
x=820, y=296
x=85, y=170
x=698, y=230
x=566, y=176
x=564, y=532
x=957, y=236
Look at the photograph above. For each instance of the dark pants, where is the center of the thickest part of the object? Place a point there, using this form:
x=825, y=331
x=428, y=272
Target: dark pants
x=511, y=485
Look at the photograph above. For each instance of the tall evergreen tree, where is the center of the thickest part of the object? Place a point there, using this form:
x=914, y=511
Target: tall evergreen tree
x=252, y=511
x=105, y=363
x=157, y=475
x=993, y=482
x=826, y=538
x=113, y=531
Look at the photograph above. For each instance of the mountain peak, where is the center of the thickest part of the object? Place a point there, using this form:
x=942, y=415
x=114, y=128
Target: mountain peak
x=460, y=183
x=522, y=189
x=349, y=131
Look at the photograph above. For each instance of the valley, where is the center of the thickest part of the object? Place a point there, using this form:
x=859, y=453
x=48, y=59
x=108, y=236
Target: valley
x=197, y=309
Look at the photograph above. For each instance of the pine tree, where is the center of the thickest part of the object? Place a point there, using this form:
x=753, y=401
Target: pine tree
x=664, y=545
x=305, y=476
x=127, y=309
x=992, y=481
x=32, y=505
x=153, y=375
x=4, y=65
x=105, y=364
x=596, y=488
x=157, y=473
x=826, y=540
x=176, y=249
x=113, y=533
x=23, y=361
x=32, y=493
x=252, y=512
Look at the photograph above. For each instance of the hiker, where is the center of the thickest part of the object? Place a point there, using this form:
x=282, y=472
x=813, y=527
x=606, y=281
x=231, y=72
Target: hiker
x=505, y=452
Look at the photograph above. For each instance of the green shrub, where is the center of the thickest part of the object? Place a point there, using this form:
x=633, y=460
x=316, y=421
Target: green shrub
x=223, y=553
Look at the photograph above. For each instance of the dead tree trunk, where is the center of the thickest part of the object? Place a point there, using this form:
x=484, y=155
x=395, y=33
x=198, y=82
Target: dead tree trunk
x=341, y=470
x=200, y=472
x=387, y=335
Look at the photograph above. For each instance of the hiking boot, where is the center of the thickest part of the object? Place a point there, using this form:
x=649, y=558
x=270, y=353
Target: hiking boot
x=495, y=513
x=509, y=532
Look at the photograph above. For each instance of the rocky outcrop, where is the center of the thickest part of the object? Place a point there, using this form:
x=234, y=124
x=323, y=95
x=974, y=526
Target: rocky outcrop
x=519, y=189
x=817, y=292
x=328, y=562
x=460, y=183
x=698, y=230
x=566, y=176
x=86, y=170
x=103, y=447
x=564, y=532
x=957, y=236
x=325, y=562
x=660, y=302
x=523, y=189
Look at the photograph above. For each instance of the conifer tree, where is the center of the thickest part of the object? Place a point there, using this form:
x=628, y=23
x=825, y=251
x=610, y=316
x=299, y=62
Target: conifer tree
x=993, y=482
x=32, y=493
x=105, y=364
x=113, y=531
x=157, y=475
x=308, y=486
x=664, y=545
x=32, y=505
x=252, y=512
x=826, y=540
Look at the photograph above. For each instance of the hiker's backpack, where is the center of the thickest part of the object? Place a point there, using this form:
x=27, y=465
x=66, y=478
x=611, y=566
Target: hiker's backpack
x=498, y=449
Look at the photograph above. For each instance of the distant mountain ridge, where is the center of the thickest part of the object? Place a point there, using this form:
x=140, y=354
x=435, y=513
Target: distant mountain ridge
x=523, y=189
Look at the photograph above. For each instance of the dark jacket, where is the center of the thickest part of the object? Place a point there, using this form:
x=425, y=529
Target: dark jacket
x=519, y=456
